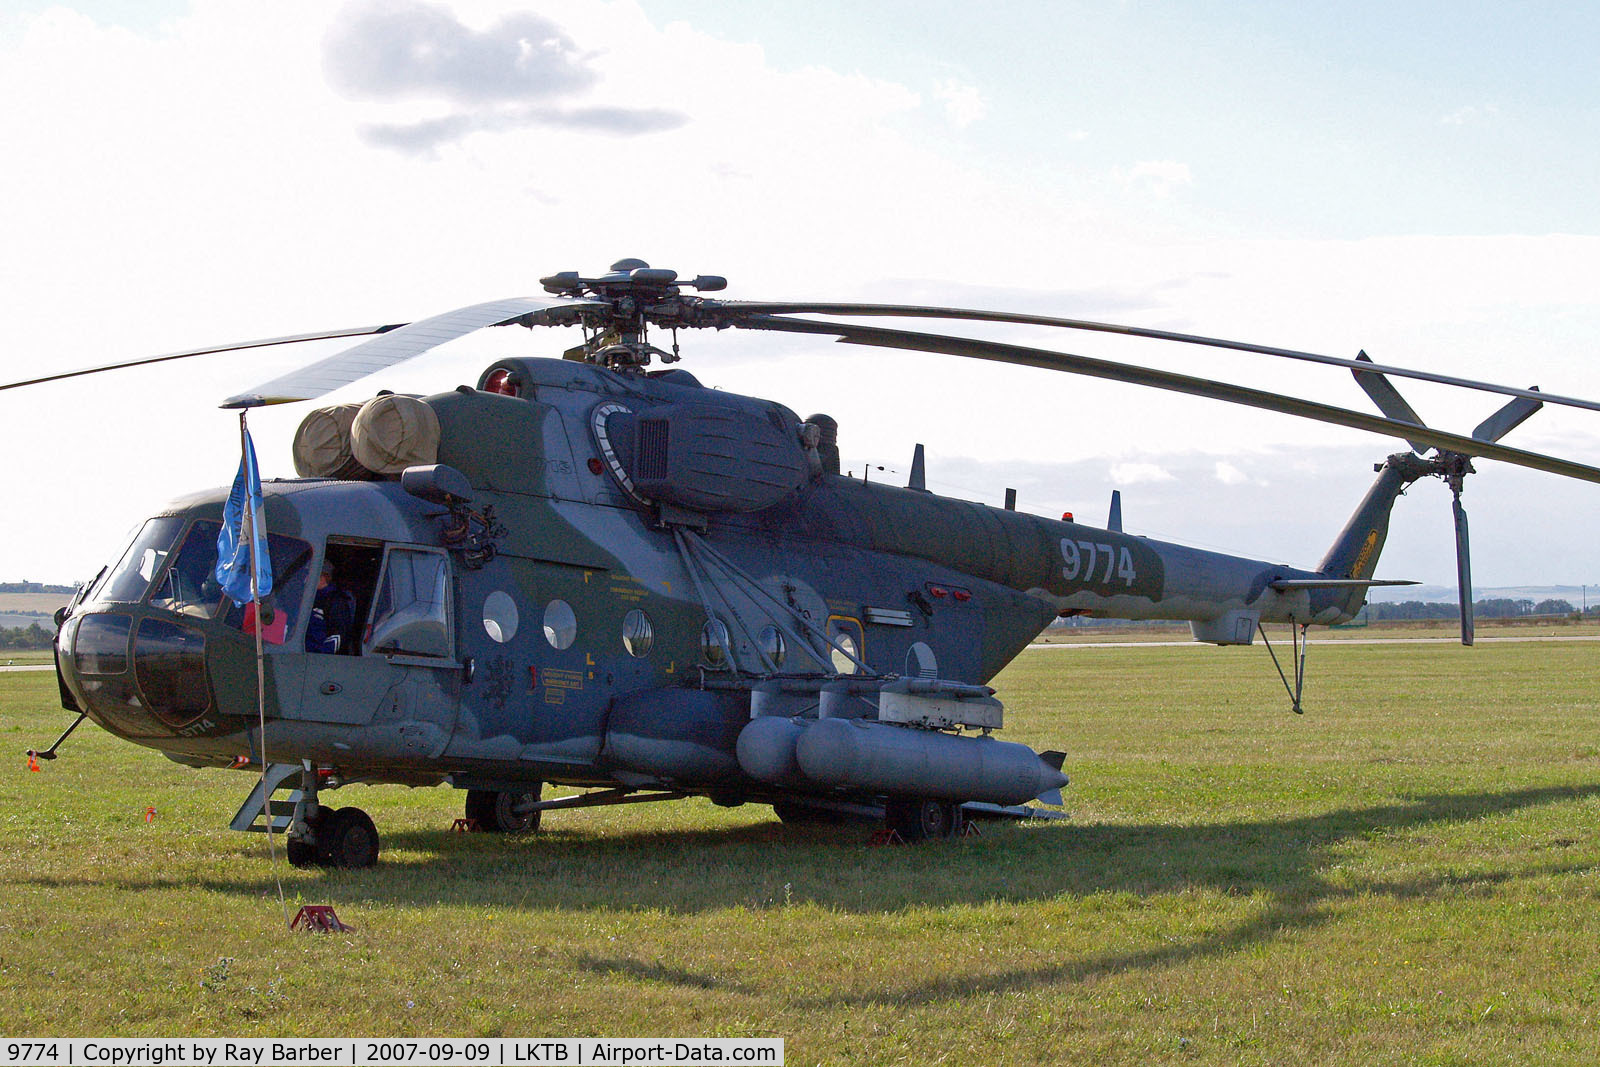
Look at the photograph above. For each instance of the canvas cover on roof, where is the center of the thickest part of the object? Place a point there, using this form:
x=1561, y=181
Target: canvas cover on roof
x=322, y=444
x=393, y=432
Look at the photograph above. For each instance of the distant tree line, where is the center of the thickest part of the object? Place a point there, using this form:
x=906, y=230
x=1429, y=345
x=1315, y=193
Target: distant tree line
x=26, y=638
x=36, y=587
x=1501, y=608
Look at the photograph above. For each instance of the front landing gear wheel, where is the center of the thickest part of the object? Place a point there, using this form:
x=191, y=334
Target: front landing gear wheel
x=347, y=838
x=498, y=812
x=303, y=851
x=922, y=818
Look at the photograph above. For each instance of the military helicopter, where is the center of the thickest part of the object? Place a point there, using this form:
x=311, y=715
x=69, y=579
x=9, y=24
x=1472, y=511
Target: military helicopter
x=587, y=572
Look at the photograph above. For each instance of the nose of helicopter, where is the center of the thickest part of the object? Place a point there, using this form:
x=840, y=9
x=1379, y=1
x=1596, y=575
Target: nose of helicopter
x=153, y=648
x=136, y=673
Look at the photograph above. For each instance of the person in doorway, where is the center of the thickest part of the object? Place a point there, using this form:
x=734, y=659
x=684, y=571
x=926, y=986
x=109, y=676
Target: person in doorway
x=331, y=629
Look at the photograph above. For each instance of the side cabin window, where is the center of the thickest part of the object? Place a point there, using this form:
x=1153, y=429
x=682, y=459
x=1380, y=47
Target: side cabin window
x=411, y=612
x=848, y=640
x=346, y=586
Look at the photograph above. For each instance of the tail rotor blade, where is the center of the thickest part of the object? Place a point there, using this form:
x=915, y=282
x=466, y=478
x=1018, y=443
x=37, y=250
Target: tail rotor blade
x=1463, y=569
x=1508, y=418
x=1388, y=399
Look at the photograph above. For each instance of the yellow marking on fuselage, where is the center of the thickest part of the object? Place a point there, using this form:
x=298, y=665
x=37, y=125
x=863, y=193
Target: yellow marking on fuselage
x=1364, y=557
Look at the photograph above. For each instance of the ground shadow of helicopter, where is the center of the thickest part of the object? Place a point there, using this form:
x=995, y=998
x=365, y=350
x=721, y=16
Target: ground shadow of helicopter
x=1018, y=864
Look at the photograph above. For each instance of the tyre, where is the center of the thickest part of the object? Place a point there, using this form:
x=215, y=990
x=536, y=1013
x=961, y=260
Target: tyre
x=922, y=818
x=302, y=853
x=306, y=851
x=348, y=839
x=497, y=812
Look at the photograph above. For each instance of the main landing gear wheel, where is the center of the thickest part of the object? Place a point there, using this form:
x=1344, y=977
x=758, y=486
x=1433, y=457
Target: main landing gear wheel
x=500, y=812
x=347, y=838
x=923, y=818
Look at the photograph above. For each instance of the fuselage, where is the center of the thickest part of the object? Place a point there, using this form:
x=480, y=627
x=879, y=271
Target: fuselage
x=658, y=555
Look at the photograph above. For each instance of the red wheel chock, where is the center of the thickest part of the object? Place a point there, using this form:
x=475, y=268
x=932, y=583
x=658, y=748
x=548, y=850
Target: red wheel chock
x=319, y=918
x=887, y=836
x=464, y=826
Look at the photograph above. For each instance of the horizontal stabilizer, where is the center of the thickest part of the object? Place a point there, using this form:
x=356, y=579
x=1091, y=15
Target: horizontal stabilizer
x=1284, y=584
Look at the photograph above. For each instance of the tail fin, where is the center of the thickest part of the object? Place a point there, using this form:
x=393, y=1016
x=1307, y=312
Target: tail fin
x=1354, y=553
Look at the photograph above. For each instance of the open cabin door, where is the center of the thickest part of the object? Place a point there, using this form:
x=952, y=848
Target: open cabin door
x=399, y=669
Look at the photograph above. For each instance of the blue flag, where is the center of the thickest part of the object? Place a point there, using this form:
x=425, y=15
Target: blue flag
x=233, y=548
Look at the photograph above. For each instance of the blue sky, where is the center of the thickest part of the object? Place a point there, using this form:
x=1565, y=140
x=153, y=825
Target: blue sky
x=1415, y=179
x=1295, y=119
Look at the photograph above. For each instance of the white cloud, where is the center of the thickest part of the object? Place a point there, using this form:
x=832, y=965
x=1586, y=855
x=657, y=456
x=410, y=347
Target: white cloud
x=1133, y=473
x=205, y=182
x=963, y=104
x=1161, y=177
x=521, y=70
x=1228, y=474
x=1471, y=115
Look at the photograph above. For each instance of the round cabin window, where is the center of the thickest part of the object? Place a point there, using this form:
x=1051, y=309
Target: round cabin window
x=773, y=645
x=637, y=633
x=500, y=616
x=714, y=645
x=560, y=624
x=845, y=652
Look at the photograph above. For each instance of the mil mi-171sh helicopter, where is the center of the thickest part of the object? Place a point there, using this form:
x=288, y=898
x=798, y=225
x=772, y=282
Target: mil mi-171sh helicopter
x=585, y=572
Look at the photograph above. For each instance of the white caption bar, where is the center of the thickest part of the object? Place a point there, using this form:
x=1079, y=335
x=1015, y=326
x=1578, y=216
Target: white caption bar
x=388, y=1051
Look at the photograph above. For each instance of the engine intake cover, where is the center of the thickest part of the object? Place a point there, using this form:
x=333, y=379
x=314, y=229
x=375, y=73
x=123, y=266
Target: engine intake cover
x=712, y=457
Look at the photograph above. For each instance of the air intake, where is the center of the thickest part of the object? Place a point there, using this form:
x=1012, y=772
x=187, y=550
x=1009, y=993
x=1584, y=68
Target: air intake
x=652, y=452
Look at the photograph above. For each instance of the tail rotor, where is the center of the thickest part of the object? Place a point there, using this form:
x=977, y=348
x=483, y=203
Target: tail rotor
x=1453, y=467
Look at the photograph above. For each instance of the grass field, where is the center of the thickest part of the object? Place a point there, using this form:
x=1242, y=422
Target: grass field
x=1408, y=873
x=1487, y=629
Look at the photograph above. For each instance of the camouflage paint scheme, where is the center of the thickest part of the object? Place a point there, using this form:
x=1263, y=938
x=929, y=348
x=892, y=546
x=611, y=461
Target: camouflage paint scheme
x=931, y=587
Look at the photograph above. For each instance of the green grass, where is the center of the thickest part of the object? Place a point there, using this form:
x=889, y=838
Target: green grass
x=1407, y=873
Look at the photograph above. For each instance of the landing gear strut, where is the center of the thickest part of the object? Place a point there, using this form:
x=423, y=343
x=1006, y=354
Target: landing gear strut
x=319, y=836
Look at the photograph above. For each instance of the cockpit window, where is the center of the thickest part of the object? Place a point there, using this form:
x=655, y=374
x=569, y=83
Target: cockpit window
x=140, y=563
x=189, y=584
x=290, y=557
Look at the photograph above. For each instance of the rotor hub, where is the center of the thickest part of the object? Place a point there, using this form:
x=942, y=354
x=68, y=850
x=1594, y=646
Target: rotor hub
x=618, y=308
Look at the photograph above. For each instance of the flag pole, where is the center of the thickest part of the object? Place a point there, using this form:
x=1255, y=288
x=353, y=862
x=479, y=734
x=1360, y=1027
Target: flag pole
x=248, y=524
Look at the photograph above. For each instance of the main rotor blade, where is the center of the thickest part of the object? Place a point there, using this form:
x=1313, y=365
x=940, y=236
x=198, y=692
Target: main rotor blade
x=731, y=310
x=324, y=335
x=402, y=343
x=909, y=340
x=1388, y=398
x=1463, y=569
x=1508, y=418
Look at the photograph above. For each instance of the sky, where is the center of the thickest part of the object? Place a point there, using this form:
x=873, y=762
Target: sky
x=1417, y=180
